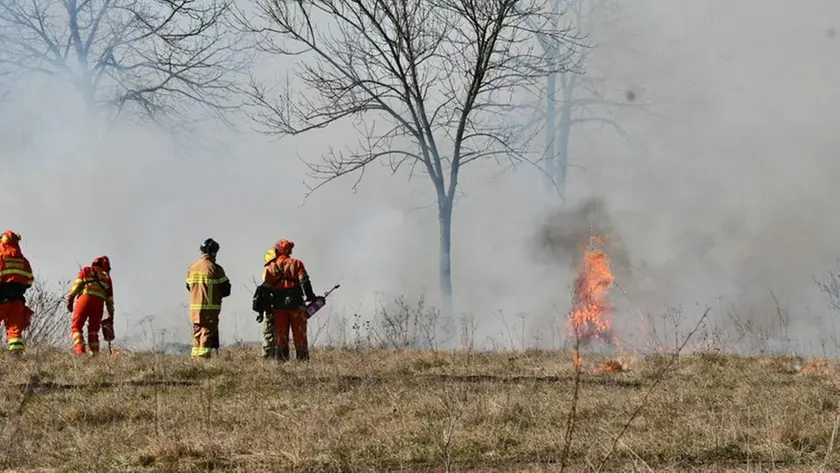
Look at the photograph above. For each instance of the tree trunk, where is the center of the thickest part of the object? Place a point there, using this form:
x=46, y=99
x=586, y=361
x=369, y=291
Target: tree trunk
x=445, y=221
x=551, y=164
x=564, y=132
x=85, y=88
x=550, y=130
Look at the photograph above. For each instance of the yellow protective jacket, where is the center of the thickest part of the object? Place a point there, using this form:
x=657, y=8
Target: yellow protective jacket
x=208, y=285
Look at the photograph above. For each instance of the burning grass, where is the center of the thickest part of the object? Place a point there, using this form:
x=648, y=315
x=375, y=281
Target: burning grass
x=589, y=318
x=414, y=411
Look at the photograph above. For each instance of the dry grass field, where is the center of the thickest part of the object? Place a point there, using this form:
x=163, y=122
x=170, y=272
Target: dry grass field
x=365, y=411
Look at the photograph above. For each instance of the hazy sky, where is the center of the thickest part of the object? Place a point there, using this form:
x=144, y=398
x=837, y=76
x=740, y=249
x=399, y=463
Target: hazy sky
x=728, y=190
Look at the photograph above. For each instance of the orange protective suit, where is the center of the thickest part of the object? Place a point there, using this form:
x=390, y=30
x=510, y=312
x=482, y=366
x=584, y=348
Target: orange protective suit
x=95, y=292
x=15, y=279
x=289, y=282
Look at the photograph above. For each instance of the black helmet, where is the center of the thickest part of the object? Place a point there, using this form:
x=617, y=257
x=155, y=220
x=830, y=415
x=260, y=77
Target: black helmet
x=209, y=247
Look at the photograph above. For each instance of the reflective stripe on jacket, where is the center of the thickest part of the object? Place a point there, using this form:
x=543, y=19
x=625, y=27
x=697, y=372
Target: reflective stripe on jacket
x=207, y=284
x=15, y=274
x=16, y=269
x=93, y=282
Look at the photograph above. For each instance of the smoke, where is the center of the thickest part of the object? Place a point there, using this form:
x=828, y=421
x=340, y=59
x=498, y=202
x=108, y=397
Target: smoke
x=568, y=231
x=723, y=185
x=727, y=194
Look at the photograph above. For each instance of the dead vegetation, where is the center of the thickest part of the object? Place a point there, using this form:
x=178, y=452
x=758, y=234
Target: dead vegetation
x=50, y=323
x=389, y=401
x=395, y=410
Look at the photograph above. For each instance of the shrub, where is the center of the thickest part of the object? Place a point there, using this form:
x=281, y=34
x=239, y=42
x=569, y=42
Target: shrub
x=51, y=323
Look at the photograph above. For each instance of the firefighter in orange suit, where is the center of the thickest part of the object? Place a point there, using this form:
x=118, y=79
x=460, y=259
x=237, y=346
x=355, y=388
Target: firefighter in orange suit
x=208, y=285
x=91, y=294
x=15, y=279
x=288, y=281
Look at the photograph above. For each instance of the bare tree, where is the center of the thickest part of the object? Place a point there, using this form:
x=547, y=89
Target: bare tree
x=578, y=96
x=424, y=81
x=153, y=59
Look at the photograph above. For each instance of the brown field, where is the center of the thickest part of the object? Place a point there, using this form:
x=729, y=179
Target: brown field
x=379, y=410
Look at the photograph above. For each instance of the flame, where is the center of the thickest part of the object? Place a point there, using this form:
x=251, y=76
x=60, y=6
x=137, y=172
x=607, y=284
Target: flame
x=589, y=317
x=615, y=366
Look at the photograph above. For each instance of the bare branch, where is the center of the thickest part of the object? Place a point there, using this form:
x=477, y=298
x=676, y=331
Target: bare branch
x=429, y=73
x=577, y=95
x=603, y=121
x=157, y=60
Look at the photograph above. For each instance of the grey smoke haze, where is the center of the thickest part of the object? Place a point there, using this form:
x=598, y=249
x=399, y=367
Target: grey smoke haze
x=736, y=194
x=728, y=191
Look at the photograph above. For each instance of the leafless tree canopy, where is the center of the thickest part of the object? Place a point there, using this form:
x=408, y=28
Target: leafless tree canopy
x=425, y=78
x=575, y=99
x=151, y=58
x=587, y=94
x=427, y=82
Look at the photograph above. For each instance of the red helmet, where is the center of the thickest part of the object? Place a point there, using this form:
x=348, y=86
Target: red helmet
x=9, y=237
x=284, y=247
x=103, y=263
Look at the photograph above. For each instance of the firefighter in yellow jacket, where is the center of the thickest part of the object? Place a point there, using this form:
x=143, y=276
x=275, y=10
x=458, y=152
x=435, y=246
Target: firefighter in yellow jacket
x=269, y=341
x=208, y=285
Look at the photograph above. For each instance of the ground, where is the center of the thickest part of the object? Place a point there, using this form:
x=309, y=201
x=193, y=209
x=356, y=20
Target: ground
x=383, y=410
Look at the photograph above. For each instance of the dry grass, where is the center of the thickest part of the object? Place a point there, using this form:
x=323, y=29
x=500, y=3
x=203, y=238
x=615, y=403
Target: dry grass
x=408, y=411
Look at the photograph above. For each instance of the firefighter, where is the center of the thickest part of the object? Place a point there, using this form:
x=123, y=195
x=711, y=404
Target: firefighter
x=288, y=281
x=95, y=293
x=208, y=285
x=267, y=317
x=15, y=279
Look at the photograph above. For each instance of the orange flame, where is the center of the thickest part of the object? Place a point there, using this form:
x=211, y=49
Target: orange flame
x=614, y=366
x=589, y=317
x=591, y=307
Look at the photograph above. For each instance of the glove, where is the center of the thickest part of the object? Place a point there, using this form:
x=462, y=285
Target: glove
x=259, y=317
x=70, y=305
x=308, y=292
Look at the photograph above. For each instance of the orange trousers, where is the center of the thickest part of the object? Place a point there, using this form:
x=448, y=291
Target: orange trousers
x=294, y=319
x=12, y=314
x=88, y=309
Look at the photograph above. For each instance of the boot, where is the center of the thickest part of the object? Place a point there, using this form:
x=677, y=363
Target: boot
x=269, y=352
x=302, y=354
x=282, y=354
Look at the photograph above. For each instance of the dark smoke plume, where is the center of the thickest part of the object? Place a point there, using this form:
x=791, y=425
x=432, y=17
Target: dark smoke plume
x=566, y=232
